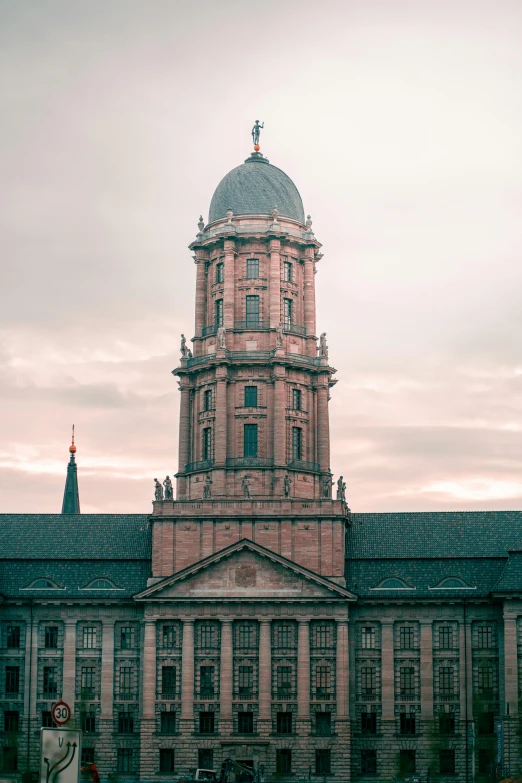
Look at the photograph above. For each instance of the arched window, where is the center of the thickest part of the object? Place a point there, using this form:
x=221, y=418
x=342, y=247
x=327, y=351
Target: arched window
x=101, y=584
x=393, y=584
x=43, y=584
x=452, y=583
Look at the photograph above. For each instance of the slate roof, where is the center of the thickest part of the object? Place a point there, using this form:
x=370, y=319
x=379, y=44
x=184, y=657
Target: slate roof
x=254, y=188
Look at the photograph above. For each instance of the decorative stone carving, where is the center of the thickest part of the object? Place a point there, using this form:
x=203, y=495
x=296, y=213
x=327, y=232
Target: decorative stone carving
x=323, y=347
x=221, y=332
x=183, y=347
x=287, y=486
x=158, y=490
x=245, y=484
x=168, y=488
x=341, y=490
x=279, y=336
x=207, y=492
x=201, y=223
x=327, y=483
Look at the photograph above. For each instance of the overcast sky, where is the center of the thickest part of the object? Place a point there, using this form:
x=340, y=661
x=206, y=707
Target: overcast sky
x=401, y=125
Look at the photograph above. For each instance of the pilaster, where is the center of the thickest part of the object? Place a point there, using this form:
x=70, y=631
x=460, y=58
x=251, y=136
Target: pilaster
x=201, y=291
x=309, y=291
x=187, y=677
x=510, y=663
x=226, y=678
x=69, y=662
x=275, y=283
x=388, y=681
x=229, y=285
x=265, y=677
x=426, y=668
x=303, y=677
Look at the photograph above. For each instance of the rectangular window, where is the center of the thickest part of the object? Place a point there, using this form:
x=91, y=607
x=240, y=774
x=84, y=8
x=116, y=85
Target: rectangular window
x=13, y=636
x=287, y=313
x=12, y=680
x=368, y=723
x=125, y=683
x=446, y=722
x=127, y=638
x=283, y=761
x=284, y=682
x=166, y=760
x=296, y=399
x=368, y=638
x=206, y=722
x=284, y=636
x=287, y=271
x=168, y=637
x=485, y=680
x=246, y=681
x=168, y=723
x=407, y=681
x=207, y=400
x=87, y=756
x=124, y=763
x=284, y=723
x=206, y=758
x=207, y=443
x=323, y=636
x=206, y=682
x=323, y=761
x=10, y=758
x=50, y=685
x=485, y=636
x=406, y=638
x=126, y=722
x=252, y=310
x=407, y=723
x=485, y=761
x=368, y=680
x=447, y=761
x=486, y=723
x=168, y=682
x=245, y=636
x=207, y=635
x=11, y=721
x=407, y=762
x=250, y=396
x=87, y=682
x=297, y=440
x=47, y=721
x=368, y=762
x=252, y=268
x=446, y=637
x=88, y=722
x=220, y=272
x=446, y=681
x=323, y=722
x=322, y=682
x=89, y=637
x=218, y=312
x=51, y=637
x=250, y=440
x=245, y=722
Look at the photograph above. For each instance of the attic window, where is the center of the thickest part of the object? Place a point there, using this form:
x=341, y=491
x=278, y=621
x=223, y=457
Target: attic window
x=43, y=584
x=393, y=584
x=452, y=583
x=101, y=584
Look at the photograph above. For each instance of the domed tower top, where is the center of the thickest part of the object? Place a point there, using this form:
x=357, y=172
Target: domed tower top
x=255, y=188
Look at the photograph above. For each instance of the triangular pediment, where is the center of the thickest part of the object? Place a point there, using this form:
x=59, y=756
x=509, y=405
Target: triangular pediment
x=245, y=570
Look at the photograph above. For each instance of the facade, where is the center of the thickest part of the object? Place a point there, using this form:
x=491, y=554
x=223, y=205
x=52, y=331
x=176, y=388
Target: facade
x=255, y=616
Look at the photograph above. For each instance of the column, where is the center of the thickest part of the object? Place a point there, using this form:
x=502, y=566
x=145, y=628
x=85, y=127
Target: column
x=265, y=673
x=342, y=670
x=184, y=426
x=29, y=678
x=426, y=669
x=279, y=416
x=107, y=670
x=69, y=662
x=229, y=287
x=388, y=674
x=466, y=666
x=149, y=669
x=187, y=671
x=201, y=294
x=275, y=283
x=510, y=663
x=220, y=432
x=303, y=672
x=323, y=426
x=309, y=291
x=226, y=676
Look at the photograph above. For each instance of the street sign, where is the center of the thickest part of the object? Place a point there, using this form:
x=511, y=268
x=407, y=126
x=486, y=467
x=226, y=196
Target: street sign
x=61, y=713
x=60, y=755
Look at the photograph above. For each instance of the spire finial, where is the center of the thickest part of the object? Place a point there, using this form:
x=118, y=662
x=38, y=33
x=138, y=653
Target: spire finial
x=71, y=497
x=256, y=130
x=72, y=447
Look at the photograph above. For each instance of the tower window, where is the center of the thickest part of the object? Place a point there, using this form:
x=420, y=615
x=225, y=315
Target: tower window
x=252, y=310
x=297, y=443
x=219, y=312
x=250, y=440
x=250, y=396
x=220, y=272
x=287, y=272
x=287, y=313
x=207, y=443
x=207, y=400
x=252, y=268
x=296, y=399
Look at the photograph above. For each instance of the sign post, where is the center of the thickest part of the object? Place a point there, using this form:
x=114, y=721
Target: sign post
x=60, y=749
x=61, y=713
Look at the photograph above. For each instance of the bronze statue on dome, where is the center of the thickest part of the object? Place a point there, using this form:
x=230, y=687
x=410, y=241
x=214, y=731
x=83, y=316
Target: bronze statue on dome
x=256, y=130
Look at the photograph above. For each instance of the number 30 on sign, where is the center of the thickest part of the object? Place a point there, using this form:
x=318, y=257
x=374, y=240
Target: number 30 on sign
x=61, y=713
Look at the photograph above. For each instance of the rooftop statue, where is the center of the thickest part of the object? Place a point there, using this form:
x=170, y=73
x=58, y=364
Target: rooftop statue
x=256, y=130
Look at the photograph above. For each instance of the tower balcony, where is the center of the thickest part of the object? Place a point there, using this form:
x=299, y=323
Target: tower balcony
x=208, y=330
x=252, y=324
x=301, y=464
x=204, y=464
x=249, y=462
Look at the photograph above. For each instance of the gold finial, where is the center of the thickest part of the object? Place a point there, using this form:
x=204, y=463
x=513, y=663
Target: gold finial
x=72, y=447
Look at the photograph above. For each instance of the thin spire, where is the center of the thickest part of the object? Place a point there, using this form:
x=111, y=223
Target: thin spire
x=71, y=497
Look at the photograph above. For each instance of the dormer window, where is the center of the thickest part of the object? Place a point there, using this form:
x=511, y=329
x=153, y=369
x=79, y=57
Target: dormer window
x=101, y=584
x=393, y=584
x=452, y=583
x=43, y=584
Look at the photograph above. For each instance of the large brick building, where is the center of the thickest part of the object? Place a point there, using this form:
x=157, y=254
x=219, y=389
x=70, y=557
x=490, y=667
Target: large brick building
x=255, y=616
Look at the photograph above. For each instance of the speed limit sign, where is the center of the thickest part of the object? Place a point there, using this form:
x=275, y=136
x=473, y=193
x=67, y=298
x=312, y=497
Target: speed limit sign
x=61, y=713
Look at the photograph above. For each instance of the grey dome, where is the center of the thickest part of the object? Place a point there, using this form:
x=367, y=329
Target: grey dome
x=255, y=188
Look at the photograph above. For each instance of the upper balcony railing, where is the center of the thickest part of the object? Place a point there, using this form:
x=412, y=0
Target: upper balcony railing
x=252, y=323
x=300, y=464
x=204, y=464
x=258, y=356
x=289, y=326
x=250, y=462
x=210, y=329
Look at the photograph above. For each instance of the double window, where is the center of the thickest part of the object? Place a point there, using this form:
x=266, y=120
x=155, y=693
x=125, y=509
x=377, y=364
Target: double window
x=168, y=637
x=207, y=400
x=252, y=311
x=368, y=680
x=446, y=637
x=126, y=722
x=485, y=636
x=407, y=681
x=252, y=268
x=88, y=722
x=368, y=638
x=246, y=681
x=284, y=682
x=287, y=271
x=406, y=638
x=446, y=680
x=322, y=682
x=323, y=722
x=323, y=762
x=220, y=272
x=296, y=399
x=206, y=723
x=368, y=723
x=368, y=761
x=127, y=637
x=283, y=761
x=11, y=721
x=250, y=440
x=124, y=763
x=87, y=682
x=89, y=637
x=407, y=723
x=12, y=680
